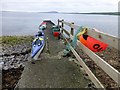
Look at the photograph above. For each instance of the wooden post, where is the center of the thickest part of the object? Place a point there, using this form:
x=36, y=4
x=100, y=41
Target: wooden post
x=62, y=25
x=72, y=29
x=58, y=22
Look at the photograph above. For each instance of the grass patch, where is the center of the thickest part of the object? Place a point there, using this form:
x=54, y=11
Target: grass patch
x=13, y=40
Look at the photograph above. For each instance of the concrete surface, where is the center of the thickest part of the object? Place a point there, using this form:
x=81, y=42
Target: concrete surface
x=52, y=70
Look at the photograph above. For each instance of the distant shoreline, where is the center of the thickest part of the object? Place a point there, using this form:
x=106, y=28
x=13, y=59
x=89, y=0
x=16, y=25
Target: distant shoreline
x=109, y=13
x=96, y=13
x=103, y=13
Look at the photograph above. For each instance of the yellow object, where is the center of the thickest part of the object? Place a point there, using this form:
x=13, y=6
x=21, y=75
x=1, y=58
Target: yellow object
x=37, y=38
x=41, y=38
x=84, y=30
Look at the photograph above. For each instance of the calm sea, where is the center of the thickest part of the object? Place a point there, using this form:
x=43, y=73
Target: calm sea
x=26, y=23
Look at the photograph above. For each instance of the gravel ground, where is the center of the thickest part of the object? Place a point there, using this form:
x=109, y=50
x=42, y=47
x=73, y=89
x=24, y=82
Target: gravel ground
x=110, y=55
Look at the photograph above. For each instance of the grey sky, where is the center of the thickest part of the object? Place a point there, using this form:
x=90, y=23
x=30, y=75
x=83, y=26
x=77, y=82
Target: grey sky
x=60, y=5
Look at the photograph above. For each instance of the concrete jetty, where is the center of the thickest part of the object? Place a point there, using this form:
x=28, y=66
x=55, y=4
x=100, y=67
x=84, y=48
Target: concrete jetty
x=52, y=70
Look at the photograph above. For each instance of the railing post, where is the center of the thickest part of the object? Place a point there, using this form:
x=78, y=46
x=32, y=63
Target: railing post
x=72, y=29
x=62, y=25
x=58, y=22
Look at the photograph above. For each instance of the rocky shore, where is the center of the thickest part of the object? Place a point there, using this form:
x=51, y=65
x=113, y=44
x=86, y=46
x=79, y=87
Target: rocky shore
x=15, y=51
x=14, y=56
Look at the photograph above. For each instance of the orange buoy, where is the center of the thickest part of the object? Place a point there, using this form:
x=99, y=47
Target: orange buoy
x=92, y=43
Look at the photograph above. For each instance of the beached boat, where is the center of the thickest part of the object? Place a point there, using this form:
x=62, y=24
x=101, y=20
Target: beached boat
x=42, y=26
x=37, y=45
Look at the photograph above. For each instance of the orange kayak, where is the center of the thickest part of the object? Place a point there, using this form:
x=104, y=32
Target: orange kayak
x=92, y=43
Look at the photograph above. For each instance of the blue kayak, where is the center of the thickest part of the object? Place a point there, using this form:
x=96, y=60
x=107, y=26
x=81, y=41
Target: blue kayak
x=37, y=45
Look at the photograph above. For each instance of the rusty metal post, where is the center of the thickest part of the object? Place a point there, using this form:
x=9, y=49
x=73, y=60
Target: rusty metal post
x=72, y=29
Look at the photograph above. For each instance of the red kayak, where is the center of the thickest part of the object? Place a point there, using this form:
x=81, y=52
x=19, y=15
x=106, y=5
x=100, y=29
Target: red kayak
x=43, y=23
x=42, y=26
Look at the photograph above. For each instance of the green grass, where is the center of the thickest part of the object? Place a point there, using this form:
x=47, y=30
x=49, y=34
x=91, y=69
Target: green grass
x=13, y=40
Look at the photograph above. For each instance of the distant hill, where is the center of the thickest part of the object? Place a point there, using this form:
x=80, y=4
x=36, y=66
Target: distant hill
x=102, y=13
x=39, y=12
x=50, y=12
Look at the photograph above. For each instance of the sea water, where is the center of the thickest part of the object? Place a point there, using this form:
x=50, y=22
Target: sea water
x=26, y=23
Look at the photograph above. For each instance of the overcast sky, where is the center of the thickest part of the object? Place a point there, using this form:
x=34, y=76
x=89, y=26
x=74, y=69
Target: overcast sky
x=60, y=5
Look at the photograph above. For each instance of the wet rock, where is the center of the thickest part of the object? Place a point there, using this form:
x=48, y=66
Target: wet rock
x=1, y=59
x=1, y=65
x=1, y=53
x=101, y=54
x=29, y=58
x=73, y=74
x=5, y=67
x=14, y=56
x=71, y=59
